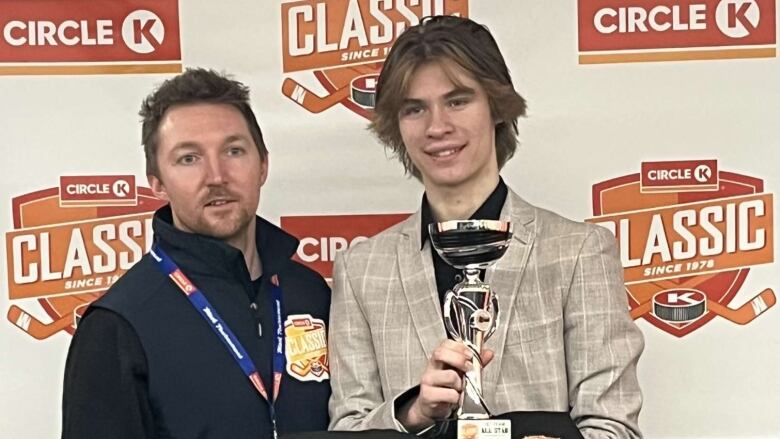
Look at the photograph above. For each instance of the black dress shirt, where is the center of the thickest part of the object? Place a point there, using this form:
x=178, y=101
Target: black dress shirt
x=446, y=275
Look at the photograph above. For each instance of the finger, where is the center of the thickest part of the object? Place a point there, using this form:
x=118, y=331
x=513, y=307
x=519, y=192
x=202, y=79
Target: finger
x=486, y=356
x=446, y=378
x=437, y=411
x=456, y=356
x=437, y=399
x=453, y=345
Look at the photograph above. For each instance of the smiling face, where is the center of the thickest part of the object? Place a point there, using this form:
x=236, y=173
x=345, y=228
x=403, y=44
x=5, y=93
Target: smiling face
x=447, y=128
x=210, y=171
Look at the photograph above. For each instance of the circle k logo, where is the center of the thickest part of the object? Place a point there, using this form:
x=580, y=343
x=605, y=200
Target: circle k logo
x=120, y=188
x=702, y=173
x=143, y=31
x=737, y=18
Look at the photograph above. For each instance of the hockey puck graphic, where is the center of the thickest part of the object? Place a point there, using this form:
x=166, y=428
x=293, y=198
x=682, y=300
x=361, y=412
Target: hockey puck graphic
x=364, y=90
x=679, y=305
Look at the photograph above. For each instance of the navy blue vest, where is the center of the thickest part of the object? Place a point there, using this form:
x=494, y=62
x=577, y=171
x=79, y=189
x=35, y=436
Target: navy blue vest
x=196, y=389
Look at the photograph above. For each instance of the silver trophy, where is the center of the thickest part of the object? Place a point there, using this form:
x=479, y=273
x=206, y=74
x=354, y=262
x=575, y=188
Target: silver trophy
x=470, y=307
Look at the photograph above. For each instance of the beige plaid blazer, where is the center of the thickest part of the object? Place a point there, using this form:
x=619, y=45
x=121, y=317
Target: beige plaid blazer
x=565, y=340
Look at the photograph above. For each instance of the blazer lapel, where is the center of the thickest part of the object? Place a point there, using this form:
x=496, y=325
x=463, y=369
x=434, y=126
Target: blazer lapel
x=419, y=286
x=504, y=278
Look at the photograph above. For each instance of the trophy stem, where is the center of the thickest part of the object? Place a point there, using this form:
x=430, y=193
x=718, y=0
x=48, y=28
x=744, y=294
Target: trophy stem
x=472, y=405
x=472, y=274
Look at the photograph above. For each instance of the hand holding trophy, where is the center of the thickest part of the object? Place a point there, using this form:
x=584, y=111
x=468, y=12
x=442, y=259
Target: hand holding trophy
x=471, y=312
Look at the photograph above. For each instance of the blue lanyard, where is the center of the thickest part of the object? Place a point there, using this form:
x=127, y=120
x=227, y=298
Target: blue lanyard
x=223, y=332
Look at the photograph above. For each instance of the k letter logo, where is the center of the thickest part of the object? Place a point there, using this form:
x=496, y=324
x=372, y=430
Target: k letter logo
x=143, y=31
x=737, y=18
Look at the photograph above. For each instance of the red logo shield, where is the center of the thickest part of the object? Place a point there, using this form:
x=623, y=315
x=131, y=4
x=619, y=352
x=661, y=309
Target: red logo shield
x=345, y=44
x=686, y=254
x=66, y=257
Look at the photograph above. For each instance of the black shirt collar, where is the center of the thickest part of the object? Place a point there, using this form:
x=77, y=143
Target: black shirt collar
x=490, y=209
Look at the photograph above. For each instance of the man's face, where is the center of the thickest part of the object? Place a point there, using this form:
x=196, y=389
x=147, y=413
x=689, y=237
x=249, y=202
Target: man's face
x=210, y=170
x=447, y=128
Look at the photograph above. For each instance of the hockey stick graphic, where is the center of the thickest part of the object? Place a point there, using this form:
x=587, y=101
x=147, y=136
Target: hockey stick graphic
x=742, y=315
x=747, y=312
x=310, y=101
x=35, y=327
x=642, y=309
x=301, y=370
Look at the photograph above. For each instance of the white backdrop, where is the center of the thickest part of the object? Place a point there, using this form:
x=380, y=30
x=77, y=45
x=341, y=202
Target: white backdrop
x=586, y=124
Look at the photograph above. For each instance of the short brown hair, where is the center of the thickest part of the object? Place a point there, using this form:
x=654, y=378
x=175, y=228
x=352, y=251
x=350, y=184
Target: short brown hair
x=468, y=45
x=194, y=86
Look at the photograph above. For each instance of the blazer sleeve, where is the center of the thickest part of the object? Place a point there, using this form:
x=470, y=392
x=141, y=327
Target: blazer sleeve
x=602, y=343
x=357, y=402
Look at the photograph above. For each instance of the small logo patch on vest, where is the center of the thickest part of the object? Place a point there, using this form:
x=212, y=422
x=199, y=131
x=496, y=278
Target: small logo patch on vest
x=306, y=348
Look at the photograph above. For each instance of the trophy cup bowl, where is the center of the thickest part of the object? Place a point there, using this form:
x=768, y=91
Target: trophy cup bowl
x=470, y=244
x=471, y=313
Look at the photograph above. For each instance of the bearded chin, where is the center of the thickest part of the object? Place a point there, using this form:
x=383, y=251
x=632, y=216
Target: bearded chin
x=229, y=228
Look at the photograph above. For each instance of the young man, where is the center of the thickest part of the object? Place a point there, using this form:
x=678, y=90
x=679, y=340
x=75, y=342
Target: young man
x=447, y=107
x=190, y=342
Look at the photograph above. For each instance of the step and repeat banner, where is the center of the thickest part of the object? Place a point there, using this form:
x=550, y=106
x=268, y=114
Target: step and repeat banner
x=654, y=118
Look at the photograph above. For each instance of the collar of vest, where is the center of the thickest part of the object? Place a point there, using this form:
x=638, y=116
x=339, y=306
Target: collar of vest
x=205, y=255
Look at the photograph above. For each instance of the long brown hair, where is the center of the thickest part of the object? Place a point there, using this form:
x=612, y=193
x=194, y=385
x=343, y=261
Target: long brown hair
x=447, y=39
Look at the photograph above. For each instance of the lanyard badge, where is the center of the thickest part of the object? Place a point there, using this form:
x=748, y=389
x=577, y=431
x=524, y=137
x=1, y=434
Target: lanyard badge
x=226, y=335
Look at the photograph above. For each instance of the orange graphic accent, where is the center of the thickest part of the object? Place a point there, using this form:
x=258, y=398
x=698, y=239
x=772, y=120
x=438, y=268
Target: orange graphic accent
x=747, y=312
x=74, y=257
x=113, y=69
x=328, y=33
x=67, y=257
x=345, y=43
x=35, y=327
x=310, y=101
x=686, y=254
x=694, y=239
x=681, y=55
x=316, y=367
x=306, y=348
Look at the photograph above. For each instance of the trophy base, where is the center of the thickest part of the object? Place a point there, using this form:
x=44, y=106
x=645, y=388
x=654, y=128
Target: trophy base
x=473, y=429
x=557, y=425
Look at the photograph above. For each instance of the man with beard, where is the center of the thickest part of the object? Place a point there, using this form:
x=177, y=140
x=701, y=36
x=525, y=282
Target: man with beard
x=190, y=342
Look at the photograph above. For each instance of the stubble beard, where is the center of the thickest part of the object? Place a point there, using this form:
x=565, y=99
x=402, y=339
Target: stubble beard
x=232, y=227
